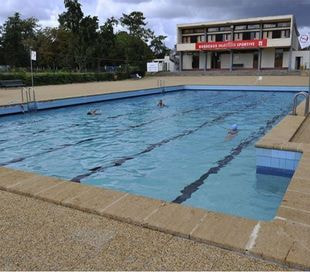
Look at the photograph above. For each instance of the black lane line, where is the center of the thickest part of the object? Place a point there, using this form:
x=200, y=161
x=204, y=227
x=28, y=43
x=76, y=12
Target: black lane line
x=149, y=148
x=117, y=130
x=188, y=190
x=52, y=149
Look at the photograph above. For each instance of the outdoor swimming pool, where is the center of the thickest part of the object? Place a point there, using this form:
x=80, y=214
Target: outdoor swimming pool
x=177, y=153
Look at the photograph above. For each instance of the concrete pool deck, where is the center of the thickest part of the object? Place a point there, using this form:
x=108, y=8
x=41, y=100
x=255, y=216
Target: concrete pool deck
x=45, y=93
x=285, y=239
x=38, y=235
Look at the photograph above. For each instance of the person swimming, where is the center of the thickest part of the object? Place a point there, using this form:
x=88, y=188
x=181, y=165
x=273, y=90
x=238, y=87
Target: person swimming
x=232, y=132
x=161, y=104
x=94, y=112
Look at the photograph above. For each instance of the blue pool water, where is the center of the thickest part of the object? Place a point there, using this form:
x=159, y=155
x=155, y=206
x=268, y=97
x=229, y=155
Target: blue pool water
x=178, y=153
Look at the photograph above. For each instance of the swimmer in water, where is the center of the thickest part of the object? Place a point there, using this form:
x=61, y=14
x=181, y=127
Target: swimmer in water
x=93, y=112
x=232, y=132
x=161, y=104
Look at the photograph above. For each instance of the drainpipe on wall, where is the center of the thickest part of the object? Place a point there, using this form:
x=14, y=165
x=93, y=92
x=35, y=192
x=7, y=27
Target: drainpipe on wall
x=231, y=60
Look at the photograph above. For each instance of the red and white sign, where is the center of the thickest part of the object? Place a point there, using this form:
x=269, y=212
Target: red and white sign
x=231, y=45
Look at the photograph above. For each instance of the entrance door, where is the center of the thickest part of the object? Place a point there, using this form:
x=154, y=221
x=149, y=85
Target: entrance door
x=297, y=63
x=278, y=62
x=215, y=61
x=255, y=60
x=195, y=63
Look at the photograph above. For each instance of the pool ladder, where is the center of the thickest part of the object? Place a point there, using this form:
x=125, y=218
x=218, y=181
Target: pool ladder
x=28, y=97
x=161, y=84
x=306, y=95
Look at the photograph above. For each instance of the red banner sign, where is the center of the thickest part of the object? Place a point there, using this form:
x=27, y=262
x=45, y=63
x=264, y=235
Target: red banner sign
x=231, y=45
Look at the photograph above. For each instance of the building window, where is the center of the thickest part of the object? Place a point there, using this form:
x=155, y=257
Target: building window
x=284, y=24
x=269, y=25
x=267, y=34
x=240, y=27
x=253, y=26
x=200, y=38
x=213, y=29
x=186, y=39
x=227, y=37
x=199, y=30
x=193, y=39
x=238, y=36
x=247, y=36
x=276, y=34
x=219, y=37
x=187, y=31
x=285, y=33
x=211, y=38
x=225, y=28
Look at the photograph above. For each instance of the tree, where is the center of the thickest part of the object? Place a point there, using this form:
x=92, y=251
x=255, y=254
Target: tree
x=84, y=32
x=136, y=25
x=106, y=41
x=54, y=48
x=18, y=36
x=158, y=46
x=71, y=19
x=134, y=51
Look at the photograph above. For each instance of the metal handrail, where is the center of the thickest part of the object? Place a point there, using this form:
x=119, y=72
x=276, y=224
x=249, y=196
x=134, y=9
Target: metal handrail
x=28, y=98
x=306, y=95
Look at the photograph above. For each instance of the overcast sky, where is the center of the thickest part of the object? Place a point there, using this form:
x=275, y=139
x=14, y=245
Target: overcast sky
x=163, y=15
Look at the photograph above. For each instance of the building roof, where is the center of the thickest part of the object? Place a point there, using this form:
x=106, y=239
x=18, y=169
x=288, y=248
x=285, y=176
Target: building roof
x=238, y=21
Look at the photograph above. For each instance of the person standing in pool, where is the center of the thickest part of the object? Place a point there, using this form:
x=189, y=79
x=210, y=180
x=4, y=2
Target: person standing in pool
x=232, y=132
x=161, y=104
x=94, y=112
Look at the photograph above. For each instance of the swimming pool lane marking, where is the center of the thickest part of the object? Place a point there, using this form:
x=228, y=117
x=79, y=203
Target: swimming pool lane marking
x=52, y=149
x=253, y=236
x=16, y=160
x=122, y=160
x=188, y=190
x=130, y=113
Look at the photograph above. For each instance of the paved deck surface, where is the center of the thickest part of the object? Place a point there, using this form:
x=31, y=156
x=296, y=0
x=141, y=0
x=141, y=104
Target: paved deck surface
x=37, y=235
x=13, y=96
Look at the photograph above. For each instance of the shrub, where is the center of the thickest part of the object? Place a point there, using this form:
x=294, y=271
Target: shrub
x=49, y=78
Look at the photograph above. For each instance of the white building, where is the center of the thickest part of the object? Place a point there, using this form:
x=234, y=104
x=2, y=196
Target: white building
x=165, y=64
x=254, y=43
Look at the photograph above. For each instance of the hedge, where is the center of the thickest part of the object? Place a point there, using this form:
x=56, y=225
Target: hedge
x=62, y=77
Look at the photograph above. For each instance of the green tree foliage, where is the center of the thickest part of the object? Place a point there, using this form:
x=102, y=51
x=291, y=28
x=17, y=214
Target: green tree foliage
x=79, y=43
x=136, y=25
x=133, y=50
x=158, y=46
x=17, y=36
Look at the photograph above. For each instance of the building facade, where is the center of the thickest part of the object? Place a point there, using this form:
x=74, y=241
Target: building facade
x=254, y=43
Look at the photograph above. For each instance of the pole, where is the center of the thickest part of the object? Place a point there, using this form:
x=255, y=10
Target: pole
x=31, y=68
x=309, y=68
